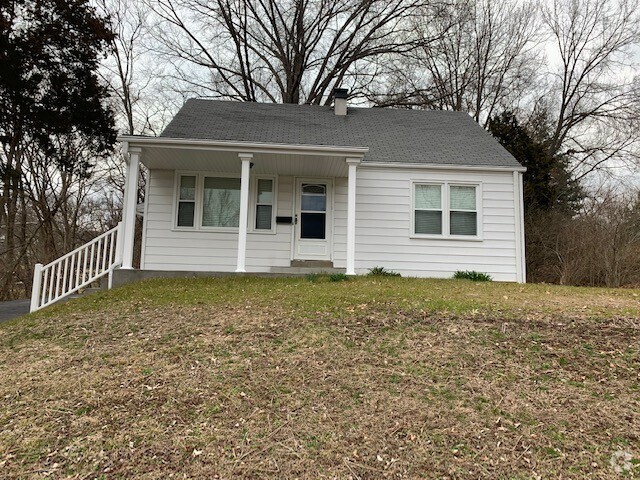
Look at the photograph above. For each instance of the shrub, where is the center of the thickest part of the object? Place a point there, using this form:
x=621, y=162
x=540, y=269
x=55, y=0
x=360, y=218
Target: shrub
x=472, y=275
x=338, y=277
x=381, y=272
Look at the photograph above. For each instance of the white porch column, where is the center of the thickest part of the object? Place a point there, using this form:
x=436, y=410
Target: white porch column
x=244, y=210
x=351, y=216
x=129, y=206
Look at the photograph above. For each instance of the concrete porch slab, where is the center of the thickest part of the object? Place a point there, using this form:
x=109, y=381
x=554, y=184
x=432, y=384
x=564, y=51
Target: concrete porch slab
x=122, y=277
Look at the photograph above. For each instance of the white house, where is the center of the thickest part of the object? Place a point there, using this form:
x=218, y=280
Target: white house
x=250, y=187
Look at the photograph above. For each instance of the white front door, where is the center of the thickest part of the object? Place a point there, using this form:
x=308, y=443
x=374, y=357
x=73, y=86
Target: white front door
x=313, y=219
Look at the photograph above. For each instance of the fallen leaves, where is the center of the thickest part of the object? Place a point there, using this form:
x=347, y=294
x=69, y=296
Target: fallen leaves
x=339, y=386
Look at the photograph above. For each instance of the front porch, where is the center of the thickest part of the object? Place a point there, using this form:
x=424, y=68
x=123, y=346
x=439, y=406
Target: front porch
x=123, y=277
x=240, y=207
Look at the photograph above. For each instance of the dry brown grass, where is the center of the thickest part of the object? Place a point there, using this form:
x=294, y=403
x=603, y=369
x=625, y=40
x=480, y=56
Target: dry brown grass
x=254, y=378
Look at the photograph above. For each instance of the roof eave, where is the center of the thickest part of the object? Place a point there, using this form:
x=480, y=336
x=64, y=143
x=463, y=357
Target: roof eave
x=448, y=166
x=236, y=146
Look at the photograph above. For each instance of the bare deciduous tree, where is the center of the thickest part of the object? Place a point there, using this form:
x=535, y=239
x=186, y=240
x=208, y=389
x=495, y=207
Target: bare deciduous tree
x=282, y=51
x=593, y=96
x=483, y=56
x=600, y=246
x=141, y=101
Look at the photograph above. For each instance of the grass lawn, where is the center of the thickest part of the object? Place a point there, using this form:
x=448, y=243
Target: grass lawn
x=291, y=378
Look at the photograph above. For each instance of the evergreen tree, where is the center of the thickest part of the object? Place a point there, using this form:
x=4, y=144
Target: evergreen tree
x=53, y=108
x=547, y=182
x=49, y=86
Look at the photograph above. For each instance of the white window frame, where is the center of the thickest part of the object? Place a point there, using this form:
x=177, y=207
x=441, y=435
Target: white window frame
x=253, y=207
x=178, y=200
x=446, y=211
x=197, y=224
x=441, y=209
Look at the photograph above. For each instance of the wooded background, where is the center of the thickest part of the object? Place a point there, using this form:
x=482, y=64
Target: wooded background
x=556, y=83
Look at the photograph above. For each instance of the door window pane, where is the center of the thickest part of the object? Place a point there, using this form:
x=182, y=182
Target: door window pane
x=313, y=225
x=221, y=202
x=313, y=189
x=314, y=203
x=314, y=197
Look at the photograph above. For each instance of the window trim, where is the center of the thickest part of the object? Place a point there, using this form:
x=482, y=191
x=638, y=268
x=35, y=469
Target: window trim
x=441, y=209
x=253, y=204
x=446, y=211
x=179, y=200
x=199, y=203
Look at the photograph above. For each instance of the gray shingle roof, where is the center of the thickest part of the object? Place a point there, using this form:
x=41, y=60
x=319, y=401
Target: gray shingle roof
x=398, y=136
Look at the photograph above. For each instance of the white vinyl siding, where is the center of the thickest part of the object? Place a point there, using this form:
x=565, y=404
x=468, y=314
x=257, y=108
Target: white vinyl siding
x=181, y=249
x=384, y=227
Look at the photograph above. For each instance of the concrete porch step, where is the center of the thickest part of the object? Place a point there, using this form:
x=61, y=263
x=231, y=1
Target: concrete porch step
x=312, y=263
x=306, y=270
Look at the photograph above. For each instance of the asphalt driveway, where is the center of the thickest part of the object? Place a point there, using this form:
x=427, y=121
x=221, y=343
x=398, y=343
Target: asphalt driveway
x=13, y=309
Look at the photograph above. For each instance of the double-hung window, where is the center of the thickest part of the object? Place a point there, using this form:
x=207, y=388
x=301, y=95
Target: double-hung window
x=445, y=210
x=264, y=204
x=213, y=202
x=463, y=216
x=186, y=201
x=428, y=209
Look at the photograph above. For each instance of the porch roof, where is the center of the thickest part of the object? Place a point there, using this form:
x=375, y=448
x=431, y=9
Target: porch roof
x=222, y=156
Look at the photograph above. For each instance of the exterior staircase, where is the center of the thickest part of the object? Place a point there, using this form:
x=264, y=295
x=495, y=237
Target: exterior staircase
x=77, y=270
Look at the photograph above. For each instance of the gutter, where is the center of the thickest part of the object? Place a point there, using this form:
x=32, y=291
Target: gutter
x=250, y=147
x=439, y=166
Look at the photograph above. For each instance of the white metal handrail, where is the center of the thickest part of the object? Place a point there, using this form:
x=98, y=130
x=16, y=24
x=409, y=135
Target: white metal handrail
x=77, y=269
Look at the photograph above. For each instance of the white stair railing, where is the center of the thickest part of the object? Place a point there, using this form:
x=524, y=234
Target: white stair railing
x=77, y=269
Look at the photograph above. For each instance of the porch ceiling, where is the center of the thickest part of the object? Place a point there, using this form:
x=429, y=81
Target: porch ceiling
x=176, y=158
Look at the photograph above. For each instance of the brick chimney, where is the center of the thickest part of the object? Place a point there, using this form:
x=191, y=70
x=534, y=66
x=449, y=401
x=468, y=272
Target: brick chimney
x=340, y=101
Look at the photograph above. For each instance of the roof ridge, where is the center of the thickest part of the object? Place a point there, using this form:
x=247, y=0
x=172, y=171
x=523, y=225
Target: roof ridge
x=351, y=107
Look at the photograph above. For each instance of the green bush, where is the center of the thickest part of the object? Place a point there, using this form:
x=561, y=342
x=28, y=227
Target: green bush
x=381, y=272
x=338, y=277
x=472, y=275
